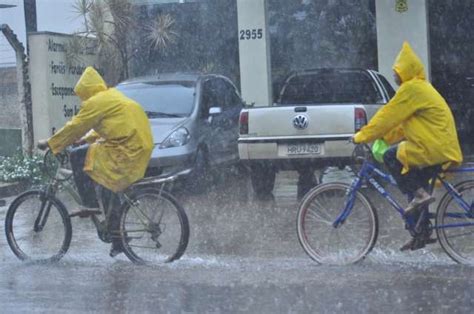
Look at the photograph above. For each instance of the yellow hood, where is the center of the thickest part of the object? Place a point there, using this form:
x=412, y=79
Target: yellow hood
x=89, y=84
x=408, y=65
x=417, y=117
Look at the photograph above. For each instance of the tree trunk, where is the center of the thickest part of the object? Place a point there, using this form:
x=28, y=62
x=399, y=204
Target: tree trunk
x=24, y=90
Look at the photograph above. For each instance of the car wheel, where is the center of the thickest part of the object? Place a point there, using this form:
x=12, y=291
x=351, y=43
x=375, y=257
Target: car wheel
x=263, y=180
x=306, y=181
x=199, y=179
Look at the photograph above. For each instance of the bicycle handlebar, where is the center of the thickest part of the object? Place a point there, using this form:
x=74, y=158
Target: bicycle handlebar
x=362, y=152
x=52, y=163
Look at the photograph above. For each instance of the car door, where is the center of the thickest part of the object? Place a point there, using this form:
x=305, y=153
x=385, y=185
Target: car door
x=224, y=121
x=229, y=120
x=210, y=125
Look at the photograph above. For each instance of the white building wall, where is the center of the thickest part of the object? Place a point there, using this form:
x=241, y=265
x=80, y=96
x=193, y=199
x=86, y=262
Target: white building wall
x=254, y=52
x=394, y=27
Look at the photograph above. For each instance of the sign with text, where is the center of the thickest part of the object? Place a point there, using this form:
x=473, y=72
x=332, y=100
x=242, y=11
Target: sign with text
x=53, y=78
x=254, y=52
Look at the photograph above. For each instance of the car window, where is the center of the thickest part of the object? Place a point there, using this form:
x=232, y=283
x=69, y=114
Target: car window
x=330, y=87
x=168, y=99
x=388, y=87
x=220, y=92
x=208, y=98
x=231, y=98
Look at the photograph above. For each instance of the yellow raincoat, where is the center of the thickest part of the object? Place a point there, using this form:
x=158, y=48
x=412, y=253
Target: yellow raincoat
x=418, y=116
x=116, y=126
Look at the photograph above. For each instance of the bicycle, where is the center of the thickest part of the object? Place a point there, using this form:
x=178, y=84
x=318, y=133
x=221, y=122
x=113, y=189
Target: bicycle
x=337, y=223
x=154, y=227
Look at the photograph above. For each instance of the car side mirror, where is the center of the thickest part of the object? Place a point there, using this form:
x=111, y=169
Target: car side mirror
x=214, y=111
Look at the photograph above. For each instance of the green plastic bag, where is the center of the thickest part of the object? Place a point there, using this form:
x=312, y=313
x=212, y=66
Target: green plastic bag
x=379, y=148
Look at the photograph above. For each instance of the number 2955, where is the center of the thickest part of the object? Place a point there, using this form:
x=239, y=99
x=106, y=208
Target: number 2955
x=249, y=34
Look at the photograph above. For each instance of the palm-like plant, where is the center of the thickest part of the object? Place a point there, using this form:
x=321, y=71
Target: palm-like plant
x=160, y=32
x=111, y=23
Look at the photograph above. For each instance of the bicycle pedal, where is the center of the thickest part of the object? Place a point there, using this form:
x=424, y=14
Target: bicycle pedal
x=84, y=213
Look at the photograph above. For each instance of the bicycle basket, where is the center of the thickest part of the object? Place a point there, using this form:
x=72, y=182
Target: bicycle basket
x=378, y=149
x=51, y=164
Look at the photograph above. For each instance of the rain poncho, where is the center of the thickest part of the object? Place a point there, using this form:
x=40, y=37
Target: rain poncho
x=418, y=116
x=116, y=126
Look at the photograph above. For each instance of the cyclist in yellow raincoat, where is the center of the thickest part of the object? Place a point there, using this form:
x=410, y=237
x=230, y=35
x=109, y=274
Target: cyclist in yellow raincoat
x=419, y=121
x=120, y=139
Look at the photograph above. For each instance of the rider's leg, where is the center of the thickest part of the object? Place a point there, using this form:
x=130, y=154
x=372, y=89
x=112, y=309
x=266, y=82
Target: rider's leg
x=112, y=206
x=411, y=182
x=395, y=168
x=421, y=234
x=84, y=184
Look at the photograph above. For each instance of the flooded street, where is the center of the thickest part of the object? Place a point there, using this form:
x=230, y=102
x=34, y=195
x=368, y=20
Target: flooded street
x=240, y=107
x=243, y=256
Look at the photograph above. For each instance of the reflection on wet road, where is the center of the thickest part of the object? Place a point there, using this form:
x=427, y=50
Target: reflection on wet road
x=243, y=256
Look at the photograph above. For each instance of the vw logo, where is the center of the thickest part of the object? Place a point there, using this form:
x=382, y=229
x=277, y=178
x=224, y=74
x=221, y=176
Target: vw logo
x=300, y=122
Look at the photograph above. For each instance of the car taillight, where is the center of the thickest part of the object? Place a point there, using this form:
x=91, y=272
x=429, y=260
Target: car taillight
x=244, y=122
x=360, y=118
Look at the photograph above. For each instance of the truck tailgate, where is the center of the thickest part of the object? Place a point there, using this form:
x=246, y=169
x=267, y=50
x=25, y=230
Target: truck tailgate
x=289, y=121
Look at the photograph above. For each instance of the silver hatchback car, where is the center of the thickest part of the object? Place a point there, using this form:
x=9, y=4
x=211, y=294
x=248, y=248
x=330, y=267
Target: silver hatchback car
x=194, y=120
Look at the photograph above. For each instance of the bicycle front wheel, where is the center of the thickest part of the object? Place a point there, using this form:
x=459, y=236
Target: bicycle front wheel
x=37, y=227
x=154, y=228
x=456, y=234
x=345, y=244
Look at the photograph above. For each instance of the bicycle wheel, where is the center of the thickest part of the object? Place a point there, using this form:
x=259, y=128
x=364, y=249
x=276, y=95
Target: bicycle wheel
x=457, y=242
x=154, y=228
x=346, y=244
x=38, y=228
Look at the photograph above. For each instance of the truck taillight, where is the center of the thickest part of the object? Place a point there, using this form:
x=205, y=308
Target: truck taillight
x=360, y=118
x=244, y=122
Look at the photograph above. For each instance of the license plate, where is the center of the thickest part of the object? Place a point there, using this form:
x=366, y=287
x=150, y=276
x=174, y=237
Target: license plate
x=304, y=149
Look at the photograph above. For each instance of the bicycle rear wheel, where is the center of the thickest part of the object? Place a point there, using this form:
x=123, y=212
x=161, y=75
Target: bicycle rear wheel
x=154, y=228
x=457, y=242
x=346, y=244
x=37, y=227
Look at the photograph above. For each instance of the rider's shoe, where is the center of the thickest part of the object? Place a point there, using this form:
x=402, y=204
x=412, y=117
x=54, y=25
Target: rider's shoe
x=115, y=249
x=417, y=242
x=411, y=244
x=421, y=198
x=85, y=212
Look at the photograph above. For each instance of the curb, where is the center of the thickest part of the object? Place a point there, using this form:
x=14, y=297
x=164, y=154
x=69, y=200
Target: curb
x=11, y=189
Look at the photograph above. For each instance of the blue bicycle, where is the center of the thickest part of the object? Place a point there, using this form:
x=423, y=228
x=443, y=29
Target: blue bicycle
x=337, y=224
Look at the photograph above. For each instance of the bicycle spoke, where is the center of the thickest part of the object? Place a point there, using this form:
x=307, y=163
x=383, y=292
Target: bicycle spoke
x=38, y=227
x=457, y=241
x=315, y=216
x=158, y=228
x=346, y=243
x=321, y=207
x=460, y=234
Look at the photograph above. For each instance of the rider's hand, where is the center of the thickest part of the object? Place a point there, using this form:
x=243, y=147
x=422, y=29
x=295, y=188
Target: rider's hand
x=352, y=140
x=42, y=144
x=80, y=142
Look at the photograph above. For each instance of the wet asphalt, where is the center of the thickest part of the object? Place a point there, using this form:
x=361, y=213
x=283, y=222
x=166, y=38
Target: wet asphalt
x=243, y=256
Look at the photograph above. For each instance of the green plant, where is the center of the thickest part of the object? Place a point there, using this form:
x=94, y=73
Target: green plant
x=22, y=168
x=113, y=24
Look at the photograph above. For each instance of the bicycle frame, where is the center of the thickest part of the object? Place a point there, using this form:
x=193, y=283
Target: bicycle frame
x=366, y=174
x=59, y=180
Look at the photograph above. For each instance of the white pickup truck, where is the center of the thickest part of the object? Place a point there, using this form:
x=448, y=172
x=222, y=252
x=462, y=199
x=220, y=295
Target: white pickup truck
x=309, y=126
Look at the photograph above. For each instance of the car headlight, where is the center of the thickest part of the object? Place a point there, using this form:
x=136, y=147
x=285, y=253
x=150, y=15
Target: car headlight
x=178, y=138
